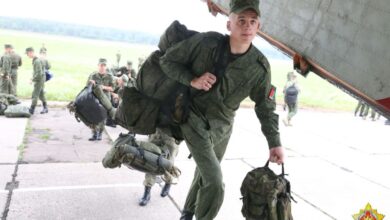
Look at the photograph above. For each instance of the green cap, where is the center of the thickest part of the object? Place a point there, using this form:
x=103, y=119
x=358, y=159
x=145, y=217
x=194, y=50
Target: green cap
x=7, y=46
x=29, y=49
x=102, y=61
x=238, y=6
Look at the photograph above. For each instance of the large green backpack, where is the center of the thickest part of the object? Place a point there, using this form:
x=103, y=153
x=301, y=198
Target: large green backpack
x=266, y=196
x=143, y=156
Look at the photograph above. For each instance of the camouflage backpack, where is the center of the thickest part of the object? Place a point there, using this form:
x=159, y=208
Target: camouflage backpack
x=143, y=156
x=5, y=101
x=266, y=196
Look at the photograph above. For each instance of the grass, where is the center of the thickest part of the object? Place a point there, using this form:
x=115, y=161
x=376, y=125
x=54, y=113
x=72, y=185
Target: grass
x=73, y=59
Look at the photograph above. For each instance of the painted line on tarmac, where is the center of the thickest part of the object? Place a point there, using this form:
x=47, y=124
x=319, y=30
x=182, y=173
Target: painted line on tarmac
x=57, y=188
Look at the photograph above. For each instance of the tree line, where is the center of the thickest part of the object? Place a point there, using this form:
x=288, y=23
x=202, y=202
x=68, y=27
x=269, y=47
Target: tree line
x=76, y=30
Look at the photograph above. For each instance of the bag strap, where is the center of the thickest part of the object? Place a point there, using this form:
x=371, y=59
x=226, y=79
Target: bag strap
x=221, y=63
x=283, y=174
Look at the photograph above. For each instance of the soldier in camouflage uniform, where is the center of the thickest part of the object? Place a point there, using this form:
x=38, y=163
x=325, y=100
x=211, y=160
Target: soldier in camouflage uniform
x=45, y=63
x=210, y=121
x=6, y=71
x=165, y=142
x=16, y=63
x=118, y=58
x=43, y=49
x=106, y=81
x=130, y=71
x=38, y=80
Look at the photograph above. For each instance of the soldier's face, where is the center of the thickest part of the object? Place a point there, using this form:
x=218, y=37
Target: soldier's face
x=30, y=54
x=102, y=68
x=243, y=26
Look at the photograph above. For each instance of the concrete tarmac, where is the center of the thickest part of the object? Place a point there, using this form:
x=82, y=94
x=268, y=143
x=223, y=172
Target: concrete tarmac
x=337, y=163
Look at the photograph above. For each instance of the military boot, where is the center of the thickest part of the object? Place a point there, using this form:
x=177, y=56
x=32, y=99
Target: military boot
x=186, y=215
x=99, y=135
x=45, y=109
x=31, y=110
x=146, y=197
x=94, y=136
x=165, y=190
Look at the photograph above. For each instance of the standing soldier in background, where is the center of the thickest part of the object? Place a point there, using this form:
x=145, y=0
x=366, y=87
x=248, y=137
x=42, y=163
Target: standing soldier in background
x=38, y=79
x=43, y=49
x=6, y=86
x=130, y=71
x=16, y=63
x=140, y=62
x=167, y=143
x=106, y=81
x=291, y=91
x=118, y=58
x=45, y=63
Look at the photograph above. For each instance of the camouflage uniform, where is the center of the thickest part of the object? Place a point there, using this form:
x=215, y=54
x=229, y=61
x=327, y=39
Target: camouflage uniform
x=45, y=63
x=16, y=63
x=38, y=79
x=209, y=126
x=6, y=74
x=164, y=141
x=292, y=107
x=101, y=80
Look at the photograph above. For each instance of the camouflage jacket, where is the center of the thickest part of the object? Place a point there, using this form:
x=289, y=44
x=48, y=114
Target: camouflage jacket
x=245, y=75
x=6, y=63
x=16, y=61
x=38, y=70
x=45, y=63
x=103, y=80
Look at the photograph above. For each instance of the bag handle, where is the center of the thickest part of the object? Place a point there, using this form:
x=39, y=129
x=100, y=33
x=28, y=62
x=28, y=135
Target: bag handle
x=266, y=165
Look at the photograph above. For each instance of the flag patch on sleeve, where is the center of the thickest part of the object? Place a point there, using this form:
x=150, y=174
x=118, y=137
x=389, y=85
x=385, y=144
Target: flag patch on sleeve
x=271, y=93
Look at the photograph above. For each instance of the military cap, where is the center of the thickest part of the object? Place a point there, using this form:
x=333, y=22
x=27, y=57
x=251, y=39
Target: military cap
x=129, y=63
x=7, y=46
x=238, y=6
x=103, y=61
x=29, y=49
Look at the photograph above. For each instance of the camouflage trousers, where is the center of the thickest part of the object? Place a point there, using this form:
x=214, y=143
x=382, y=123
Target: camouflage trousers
x=38, y=92
x=161, y=139
x=292, y=110
x=99, y=127
x=6, y=86
x=207, y=147
x=14, y=79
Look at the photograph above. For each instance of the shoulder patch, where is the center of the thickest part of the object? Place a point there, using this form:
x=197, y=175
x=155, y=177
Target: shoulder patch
x=272, y=93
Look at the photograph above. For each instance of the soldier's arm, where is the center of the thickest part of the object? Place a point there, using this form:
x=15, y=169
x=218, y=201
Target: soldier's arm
x=7, y=63
x=48, y=66
x=20, y=61
x=263, y=94
x=175, y=63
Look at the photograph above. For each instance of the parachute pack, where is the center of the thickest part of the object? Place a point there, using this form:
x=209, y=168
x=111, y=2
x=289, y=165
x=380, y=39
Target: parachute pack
x=265, y=195
x=139, y=155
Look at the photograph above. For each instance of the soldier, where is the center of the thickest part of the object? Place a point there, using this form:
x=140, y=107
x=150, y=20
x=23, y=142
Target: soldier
x=16, y=63
x=164, y=141
x=45, y=63
x=118, y=58
x=215, y=100
x=38, y=79
x=6, y=86
x=140, y=62
x=106, y=81
x=130, y=71
x=43, y=49
x=291, y=91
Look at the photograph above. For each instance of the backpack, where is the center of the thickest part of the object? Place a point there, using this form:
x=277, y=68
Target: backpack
x=87, y=108
x=143, y=156
x=17, y=111
x=157, y=101
x=291, y=94
x=265, y=195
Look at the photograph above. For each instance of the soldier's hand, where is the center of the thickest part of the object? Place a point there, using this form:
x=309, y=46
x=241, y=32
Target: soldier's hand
x=204, y=82
x=92, y=82
x=276, y=155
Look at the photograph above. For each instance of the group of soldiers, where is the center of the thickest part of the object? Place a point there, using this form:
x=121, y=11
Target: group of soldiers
x=9, y=64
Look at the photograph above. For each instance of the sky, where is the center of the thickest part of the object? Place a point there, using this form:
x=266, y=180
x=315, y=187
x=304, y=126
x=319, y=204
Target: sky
x=151, y=16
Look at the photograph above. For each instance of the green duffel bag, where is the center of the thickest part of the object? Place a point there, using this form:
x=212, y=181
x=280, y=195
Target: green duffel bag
x=139, y=155
x=17, y=111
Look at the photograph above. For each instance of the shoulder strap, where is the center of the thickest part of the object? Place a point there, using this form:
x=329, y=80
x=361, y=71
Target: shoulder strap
x=222, y=61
